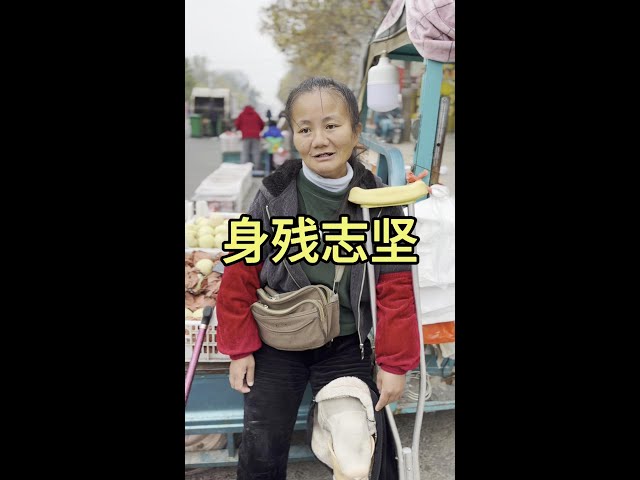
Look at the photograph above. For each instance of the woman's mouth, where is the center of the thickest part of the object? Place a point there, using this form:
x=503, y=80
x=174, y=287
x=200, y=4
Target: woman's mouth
x=324, y=156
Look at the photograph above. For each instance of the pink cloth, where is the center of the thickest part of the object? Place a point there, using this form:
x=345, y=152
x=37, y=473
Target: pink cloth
x=392, y=16
x=431, y=25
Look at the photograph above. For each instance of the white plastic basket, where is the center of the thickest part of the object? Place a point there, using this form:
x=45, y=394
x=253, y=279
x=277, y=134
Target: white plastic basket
x=209, y=351
x=231, y=141
x=225, y=188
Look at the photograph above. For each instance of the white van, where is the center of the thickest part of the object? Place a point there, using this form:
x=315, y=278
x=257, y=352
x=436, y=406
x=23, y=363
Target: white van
x=205, y=100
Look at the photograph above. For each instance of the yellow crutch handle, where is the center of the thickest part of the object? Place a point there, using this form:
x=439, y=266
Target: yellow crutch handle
x=388, y=196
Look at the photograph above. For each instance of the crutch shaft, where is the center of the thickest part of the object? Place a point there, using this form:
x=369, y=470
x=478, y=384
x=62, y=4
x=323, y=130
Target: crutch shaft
x=372, y=299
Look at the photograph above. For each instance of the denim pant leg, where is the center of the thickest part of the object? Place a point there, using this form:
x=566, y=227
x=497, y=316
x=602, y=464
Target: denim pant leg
x=255, y=153
x=244, y=154
x=270, y=411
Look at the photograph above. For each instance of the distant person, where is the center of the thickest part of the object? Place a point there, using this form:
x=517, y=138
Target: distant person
x=274, y=139
x=387, y=123
x=268, y=115
x=213, y=117
x=272, y=130
x=250, y=124
x=282, y=121
x=206, y=123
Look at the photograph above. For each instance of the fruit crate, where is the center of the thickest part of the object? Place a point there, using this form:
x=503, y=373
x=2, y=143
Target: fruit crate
x=225, y=188
x=209, y=351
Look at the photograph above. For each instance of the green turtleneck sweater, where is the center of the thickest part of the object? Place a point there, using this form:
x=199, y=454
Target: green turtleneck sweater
x=322, y=205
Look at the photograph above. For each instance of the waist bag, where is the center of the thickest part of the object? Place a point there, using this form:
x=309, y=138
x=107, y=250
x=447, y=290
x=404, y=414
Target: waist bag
x=300, y=320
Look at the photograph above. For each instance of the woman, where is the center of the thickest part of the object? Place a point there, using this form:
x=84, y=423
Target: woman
x=324, y=117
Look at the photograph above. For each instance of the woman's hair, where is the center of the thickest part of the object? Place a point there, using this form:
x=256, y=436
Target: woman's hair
x=349, y=99
x=324, y=83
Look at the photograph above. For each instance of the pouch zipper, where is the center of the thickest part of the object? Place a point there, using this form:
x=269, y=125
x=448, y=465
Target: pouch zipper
x=287, y=311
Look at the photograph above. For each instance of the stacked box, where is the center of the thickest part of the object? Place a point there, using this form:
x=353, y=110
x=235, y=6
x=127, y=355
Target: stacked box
x=225, y=188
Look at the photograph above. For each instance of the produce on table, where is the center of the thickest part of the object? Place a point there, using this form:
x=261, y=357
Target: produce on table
x=200, y=289
x=204, y=266
x=207, y=232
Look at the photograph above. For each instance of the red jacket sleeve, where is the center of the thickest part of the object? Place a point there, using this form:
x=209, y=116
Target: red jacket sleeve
x=237, y=333
x=397, y=336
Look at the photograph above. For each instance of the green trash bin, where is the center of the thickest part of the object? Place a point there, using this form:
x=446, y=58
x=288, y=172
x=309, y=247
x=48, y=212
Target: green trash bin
x=196, y=125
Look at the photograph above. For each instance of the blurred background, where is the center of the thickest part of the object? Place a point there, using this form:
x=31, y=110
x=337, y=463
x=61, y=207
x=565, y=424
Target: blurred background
x=256, y=51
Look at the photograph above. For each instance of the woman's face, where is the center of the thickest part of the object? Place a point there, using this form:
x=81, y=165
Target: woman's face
x=323, y=133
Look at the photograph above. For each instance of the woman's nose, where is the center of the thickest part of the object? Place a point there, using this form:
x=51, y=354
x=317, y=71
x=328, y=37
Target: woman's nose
x=319, y=139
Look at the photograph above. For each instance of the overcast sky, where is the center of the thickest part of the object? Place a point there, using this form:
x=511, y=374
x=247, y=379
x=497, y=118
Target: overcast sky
x=227, y=33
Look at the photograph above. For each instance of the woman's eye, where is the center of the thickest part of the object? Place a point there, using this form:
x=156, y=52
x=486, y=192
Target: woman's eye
x=331, y=126
x=304, y=130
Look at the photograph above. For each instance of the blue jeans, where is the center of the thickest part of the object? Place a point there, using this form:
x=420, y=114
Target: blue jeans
x=251, y=146
x=386, y=124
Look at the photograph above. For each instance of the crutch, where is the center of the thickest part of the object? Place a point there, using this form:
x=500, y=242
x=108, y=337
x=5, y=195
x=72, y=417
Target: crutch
x=408, y=465
x=202, y=331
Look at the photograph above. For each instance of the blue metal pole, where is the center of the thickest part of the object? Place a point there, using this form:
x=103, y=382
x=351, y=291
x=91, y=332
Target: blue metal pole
x=429, y=106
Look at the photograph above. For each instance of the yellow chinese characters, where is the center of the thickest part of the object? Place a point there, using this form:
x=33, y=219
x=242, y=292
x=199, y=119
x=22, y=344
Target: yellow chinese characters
x=344, y=240
x=305, y=235
x=384, y=243
x=247, y=238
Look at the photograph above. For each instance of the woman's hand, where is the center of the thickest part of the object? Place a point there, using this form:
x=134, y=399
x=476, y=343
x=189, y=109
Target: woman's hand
x=241, y=373
x=390, y=386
